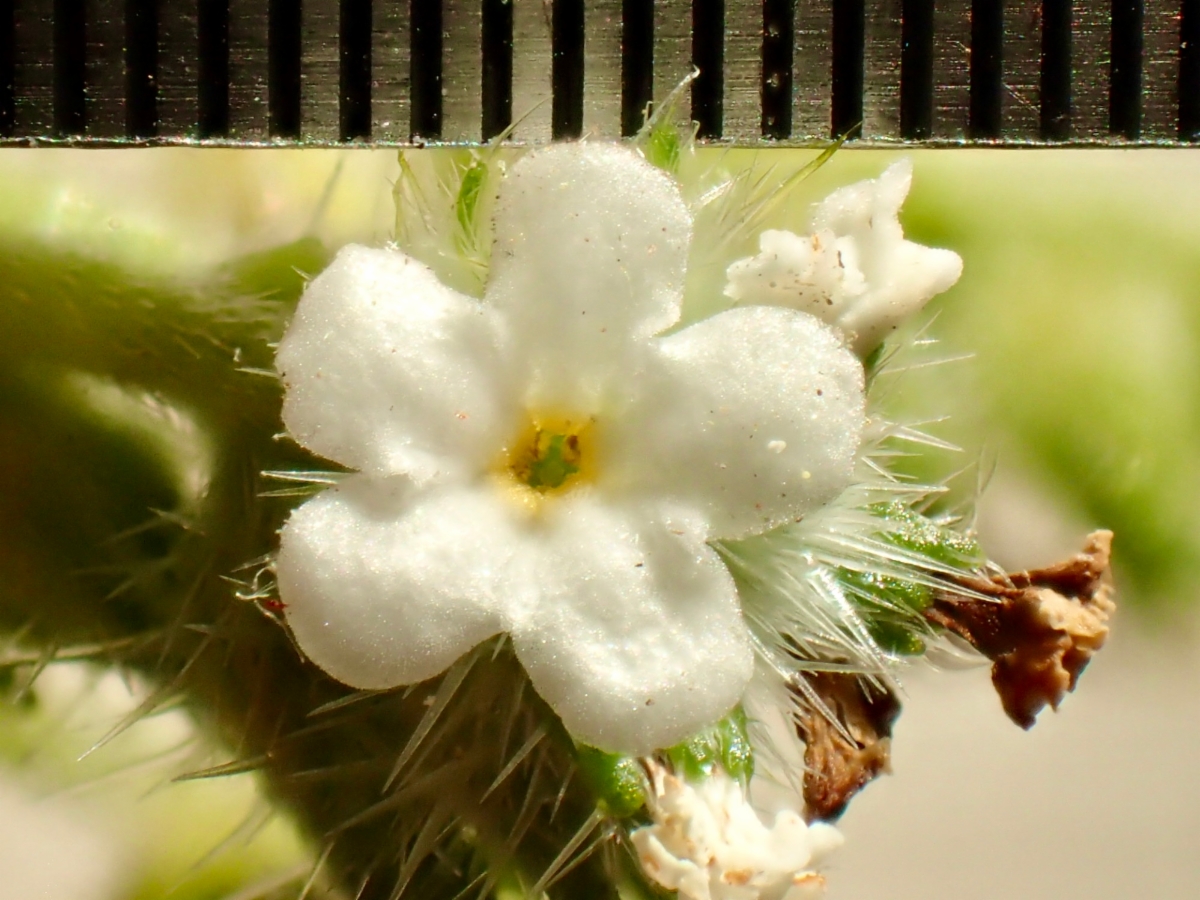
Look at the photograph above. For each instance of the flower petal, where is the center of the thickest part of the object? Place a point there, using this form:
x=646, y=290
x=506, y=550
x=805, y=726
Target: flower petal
x=385, y=583
x=915, y=275
x=589, y=258
x=389, y=371
x=755, y=415
x=816, y=273
x=868, y=211
x=901, y=276
x=637, y=642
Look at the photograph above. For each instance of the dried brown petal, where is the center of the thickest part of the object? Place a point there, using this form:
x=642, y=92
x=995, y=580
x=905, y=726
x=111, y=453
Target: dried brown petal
x=1040, y=628
x=841, y=758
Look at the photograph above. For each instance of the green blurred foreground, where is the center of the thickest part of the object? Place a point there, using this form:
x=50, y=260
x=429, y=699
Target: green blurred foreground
x=125, y=312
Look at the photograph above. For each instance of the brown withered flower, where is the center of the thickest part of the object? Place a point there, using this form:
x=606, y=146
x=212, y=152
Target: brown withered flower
x=844, y=753
x=1040, y=627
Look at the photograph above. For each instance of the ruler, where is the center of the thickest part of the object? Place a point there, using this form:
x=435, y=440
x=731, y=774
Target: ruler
x=770, y=72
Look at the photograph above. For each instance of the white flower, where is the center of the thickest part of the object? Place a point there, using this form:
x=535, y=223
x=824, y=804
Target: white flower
x=547, y=462
x=855, y=270
x=708, y=843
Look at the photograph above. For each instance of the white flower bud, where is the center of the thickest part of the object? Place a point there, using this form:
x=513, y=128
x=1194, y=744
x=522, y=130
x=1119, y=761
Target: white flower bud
x=855, y=270
x=708, y=843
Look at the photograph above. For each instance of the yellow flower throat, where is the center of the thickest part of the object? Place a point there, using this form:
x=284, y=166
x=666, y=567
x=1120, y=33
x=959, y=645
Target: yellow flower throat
x=550, y=455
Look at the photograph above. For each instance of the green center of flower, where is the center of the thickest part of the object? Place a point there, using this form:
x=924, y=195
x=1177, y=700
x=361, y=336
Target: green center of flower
x=550, y=455
x=554, y=459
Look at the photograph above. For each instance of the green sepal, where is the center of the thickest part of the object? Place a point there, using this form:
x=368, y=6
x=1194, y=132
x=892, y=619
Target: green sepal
x=871, y=360
x=661, y=138
x=884, y=601
x=663, y=146
x=470, y=188
x=896, y=638
x=888, y=602
x=618, y=781
x=911, y=531
x=725, y=744
x=887, y=590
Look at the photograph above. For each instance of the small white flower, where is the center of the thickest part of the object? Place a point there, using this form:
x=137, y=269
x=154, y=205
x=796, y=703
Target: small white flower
x=708, y=843
x=855, y=270
x=550, y=464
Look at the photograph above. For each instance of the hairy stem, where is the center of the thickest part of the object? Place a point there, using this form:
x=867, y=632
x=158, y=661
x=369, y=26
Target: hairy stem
x=135, y=424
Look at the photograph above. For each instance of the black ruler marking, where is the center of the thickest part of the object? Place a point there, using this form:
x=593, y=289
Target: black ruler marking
x=8, y=112
x=497, y=71
x=849, y=35
x=708, y=55
x=1125, y=69
x=1189, y=71
x=987, y=80
x=637, y=63
x=283, y=68
x=212, y=67
x=354, y=70
x=566, y=69
x=426, y=72
x=778, y=41
x=70, y=52
x=916, y=70
x=141, y=68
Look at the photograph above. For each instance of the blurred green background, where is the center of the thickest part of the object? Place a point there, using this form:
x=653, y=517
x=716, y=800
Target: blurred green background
x=1073, y=391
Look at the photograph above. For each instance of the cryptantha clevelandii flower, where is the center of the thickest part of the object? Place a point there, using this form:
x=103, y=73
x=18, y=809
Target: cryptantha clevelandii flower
x=685, y=524
x=855, y=270
x=552, y=462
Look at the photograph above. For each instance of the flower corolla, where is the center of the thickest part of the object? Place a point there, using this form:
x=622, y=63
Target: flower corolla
x=708, y=843
x=552, y=462
x=855, y=270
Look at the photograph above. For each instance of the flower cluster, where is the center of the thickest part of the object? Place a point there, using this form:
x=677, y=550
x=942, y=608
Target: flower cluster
x=559, y=461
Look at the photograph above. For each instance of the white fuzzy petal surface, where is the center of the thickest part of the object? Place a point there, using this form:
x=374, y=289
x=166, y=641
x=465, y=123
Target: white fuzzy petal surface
x=626, y=620
x=637, y=642
x=816, y=273
x=588, y=262
x=390, y=372
x=755, y=414
x=855, y=270
x=386, y=583
x=708, y=843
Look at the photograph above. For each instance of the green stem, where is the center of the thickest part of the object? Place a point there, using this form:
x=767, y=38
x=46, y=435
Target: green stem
x=107, y=541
